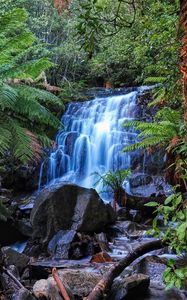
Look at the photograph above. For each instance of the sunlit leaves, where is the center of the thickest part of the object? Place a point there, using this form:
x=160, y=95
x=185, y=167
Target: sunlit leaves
x=174, y=213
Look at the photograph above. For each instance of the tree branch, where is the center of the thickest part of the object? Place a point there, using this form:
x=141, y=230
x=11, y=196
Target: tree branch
x=60, y=284
x=106, y=282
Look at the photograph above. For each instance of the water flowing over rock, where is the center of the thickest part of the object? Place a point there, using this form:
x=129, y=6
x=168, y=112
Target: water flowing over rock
x=92, y=140
x=68, y=206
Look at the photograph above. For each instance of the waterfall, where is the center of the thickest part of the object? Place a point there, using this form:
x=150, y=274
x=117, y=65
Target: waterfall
x=92, y=140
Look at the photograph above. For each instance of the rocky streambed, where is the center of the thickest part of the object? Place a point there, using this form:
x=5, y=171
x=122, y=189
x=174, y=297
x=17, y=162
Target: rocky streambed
x=71, y=229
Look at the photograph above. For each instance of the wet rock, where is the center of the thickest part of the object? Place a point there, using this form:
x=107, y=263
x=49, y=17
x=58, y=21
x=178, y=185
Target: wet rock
x=24, y=178
x=68, y=206
x=102, y=240
x=134, y=285
x=138, y=203
x=84, y=245
x=13, y=257
x=24, y=226
x=137, y=283
x=123, y=214
x=6, y=193
x=60, y=244
x=80, y=282
x=155, y=292
x=11, y=234
x=7, y=284
x=5, y=200
x=153, y=266
x=70, y=140
x=137, y=180
x=23, y=294
x=129, y=228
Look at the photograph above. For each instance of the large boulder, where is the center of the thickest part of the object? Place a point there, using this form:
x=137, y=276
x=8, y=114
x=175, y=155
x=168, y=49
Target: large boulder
x=59, y=246
x=68, y=206
x=80, y=282
x=124, y=288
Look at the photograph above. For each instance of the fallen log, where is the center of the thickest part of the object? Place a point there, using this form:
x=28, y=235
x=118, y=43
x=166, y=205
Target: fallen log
x=105, y=283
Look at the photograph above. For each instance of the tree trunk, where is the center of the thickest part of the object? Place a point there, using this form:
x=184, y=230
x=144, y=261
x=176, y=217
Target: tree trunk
x=183, y=66
x=105, y=283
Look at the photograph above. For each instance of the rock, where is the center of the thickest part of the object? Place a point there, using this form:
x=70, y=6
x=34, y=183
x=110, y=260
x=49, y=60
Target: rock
x=153, y=266
x=68, y=206
x=24, y=226
x=5, y=200
x=6, y=193
x=124, y=214
x=11, y=234
x=156, y=292
x=102, y=240
x=139, y=180
x=22, y=294
x=13, y=257
x=7, y=283
x=134, y=285
x=80, y=282
x=138, y=203
x=48, y=289
x=137, y=283
x=83, y=246
x=70, y=140
x=129, y=228
x=60, y=244
x=23, y=178
x=40, y=288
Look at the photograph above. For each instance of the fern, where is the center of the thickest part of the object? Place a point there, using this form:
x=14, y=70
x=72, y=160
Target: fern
x=111, y=179
x=25, y=115
x=155, y=80
x=158, y=133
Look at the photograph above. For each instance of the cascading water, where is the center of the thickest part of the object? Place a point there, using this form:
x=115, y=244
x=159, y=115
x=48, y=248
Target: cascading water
x=92, y=140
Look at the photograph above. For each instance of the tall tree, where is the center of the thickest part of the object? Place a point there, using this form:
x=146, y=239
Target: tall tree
x=183, y=67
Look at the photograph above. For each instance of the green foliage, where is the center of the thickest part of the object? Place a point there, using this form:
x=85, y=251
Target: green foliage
x=111, y=179
x=132, y=43
x=174, y=213
x=167, y=125
x=24, y=110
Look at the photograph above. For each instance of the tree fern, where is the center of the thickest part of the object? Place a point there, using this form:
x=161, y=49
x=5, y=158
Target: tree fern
x=25, y=115
x=160, y=132
x=155, y=79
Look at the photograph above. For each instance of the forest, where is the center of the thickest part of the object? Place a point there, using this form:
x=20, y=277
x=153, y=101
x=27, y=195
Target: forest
x=93, y=149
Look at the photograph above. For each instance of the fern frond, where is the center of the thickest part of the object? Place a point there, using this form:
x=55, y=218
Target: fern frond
x=21, y=141
x=8, y=96
x=146, y=143
x=155, y=79
x=40, y=95
x=5, y=135
x=159, y=97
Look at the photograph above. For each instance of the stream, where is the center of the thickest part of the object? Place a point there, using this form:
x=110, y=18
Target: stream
x=92, y=140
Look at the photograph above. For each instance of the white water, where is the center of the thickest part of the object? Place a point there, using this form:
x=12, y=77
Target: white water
x=92, y=140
